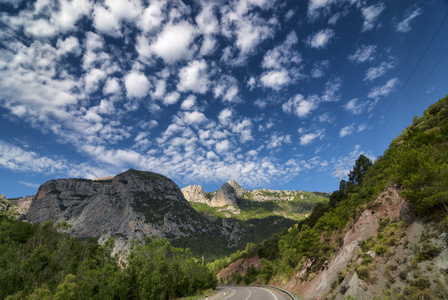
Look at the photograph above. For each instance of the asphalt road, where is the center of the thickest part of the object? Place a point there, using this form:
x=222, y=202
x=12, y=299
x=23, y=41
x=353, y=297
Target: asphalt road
x=247, y=293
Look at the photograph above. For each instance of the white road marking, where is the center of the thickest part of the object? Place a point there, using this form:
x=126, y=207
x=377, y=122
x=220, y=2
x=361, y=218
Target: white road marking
x=250, y=293
x=271, y=293
x=230, y=294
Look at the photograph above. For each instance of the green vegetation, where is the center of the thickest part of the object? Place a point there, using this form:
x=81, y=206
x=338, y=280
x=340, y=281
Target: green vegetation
x=41, y=262
x=416, y=162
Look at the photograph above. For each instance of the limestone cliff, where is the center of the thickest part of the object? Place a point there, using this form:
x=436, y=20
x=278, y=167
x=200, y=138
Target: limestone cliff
x=226, y=195
x=131, y=205
x=195, y=193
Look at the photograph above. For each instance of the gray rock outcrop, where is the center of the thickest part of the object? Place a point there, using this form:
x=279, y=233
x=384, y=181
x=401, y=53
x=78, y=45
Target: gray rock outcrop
x=226, y=195
x=195, y=193
x=131, y=205
x=239, y=191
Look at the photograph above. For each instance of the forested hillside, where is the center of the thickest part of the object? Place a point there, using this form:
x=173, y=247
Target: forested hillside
x=39, y=262
x=415, y=167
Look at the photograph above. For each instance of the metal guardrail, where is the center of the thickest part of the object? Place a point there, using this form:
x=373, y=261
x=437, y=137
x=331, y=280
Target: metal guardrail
x=293, y=297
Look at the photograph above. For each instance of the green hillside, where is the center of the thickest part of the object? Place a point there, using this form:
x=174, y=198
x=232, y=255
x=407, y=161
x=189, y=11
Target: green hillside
x=416, y=164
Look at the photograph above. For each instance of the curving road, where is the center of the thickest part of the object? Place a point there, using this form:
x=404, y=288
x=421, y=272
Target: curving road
x=248, y=293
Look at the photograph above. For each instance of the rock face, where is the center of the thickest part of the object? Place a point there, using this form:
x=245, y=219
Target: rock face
x=133, y=204
x=226, y=195
x=239, y=191
x=195, y=193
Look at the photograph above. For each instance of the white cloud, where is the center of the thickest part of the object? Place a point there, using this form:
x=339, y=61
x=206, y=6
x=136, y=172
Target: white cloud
x=383, y=90
x=354, y=106
x=21, y=160
x=173, y=43
x=188, y=103
x=375, y=72
x=222, y=146
x=70, y=12
x=194, y=77
x=308, y=138
x=108, y=18
x=331, y=92
x=225, y=116
x=371, y=14
x=278, y=140
x=69, y=45
x=282, y=62
x=171, y=98
x=275, y=79
x=405, y=25
x=194, y=117
x=347, y=130
x=315, y=6
x=283, y=55
x=137, y=85
x=363, y=53
x=320, y=68
x=111, y=87
x=152, y=16
x=361, y=128
x=29, y=184
x=93, y=78
x=14, y=3
x=300, y=106
x=227, y=89
x=320, y=39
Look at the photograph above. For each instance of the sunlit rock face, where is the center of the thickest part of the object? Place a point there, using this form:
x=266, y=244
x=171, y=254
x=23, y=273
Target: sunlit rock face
x=226, y=195
x=131, y=205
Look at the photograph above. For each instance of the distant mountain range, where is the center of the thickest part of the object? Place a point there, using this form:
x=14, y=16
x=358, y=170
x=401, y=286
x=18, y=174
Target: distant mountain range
x=135, y=205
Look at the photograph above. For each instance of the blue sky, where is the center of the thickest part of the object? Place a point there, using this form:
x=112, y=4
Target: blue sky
x=273, y=94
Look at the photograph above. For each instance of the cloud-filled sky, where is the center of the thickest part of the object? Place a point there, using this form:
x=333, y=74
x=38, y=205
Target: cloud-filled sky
x=273, y=94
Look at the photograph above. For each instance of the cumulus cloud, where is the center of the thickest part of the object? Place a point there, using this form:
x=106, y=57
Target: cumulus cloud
x=194, y=117
x=308, y=138
x=152, y=16
x=275, y=79
x=137, y=85
x=188, y=103
x=331, y=91
x=194, y=77
x=315, y=6
x=225, y=116
x=319, y=69
x=171, y=98
x=227, y=89
x=363, y=53
x=370, y=15
x=278, y=140
x=300, y=106
x=108, y=17
x=281, y=62
x=222, y=146
x=375, y=72
x=174, y=42
x=347, y=130
x=354, y=106
x=384, y=90
x=22, y=160
x=404, y=26
x=320, y=39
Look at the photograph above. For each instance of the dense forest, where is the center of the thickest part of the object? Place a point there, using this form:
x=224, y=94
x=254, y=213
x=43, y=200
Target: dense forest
x=416, y=163
x=43, y=262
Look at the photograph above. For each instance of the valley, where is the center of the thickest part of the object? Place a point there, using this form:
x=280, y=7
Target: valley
x=382, y=234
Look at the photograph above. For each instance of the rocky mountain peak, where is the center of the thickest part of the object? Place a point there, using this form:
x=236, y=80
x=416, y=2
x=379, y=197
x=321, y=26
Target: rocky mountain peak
x=195, y=193
x=132, y=205
x=237, y=188
x=226, y=195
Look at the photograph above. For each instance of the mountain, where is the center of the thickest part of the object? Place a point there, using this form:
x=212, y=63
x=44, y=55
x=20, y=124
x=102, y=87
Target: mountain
x=382, y=235
x=131, y=205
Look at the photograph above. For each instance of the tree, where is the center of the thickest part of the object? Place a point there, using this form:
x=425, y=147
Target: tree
x=360, y=167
